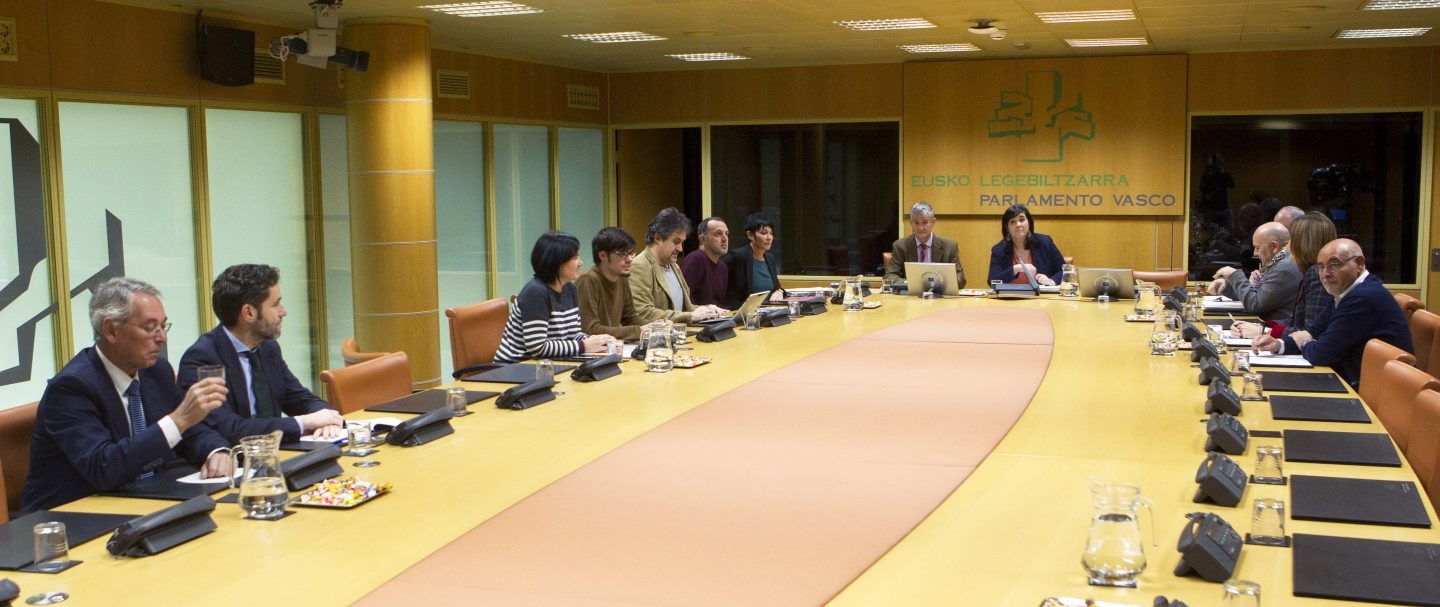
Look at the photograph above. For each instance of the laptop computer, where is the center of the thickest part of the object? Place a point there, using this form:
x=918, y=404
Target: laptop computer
x=918, y=274
x=1122, y=278
x=752, y=303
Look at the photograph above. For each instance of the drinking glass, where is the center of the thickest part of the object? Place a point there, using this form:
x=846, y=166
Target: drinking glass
x=794, y=310
x=1240, y=593
x=456, y=401
x=1268, y=467
x=679, y=333
x=208, y=371
x=1267, y=522
x=1253, y=389
x=1242, y=361
x=359, y=435
x=752, y=321
x=545, y=370
x=52, y=550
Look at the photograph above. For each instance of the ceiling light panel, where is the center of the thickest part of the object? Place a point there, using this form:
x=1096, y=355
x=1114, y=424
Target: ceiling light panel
x=483, y=9
x=708, y=57
x=1397, y=32
x=1094, y=42
x=613, y=37
x=1389, y=5
x=939, y=48
x=1086, y=16
x=871, y=25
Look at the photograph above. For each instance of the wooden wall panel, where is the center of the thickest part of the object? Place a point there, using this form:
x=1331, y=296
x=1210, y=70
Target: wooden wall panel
x=1353, y=79
x=764, y=95
x=1101, y=136
x=121, y=49
x=649, y=175
x=527, y=91
x=31, y=69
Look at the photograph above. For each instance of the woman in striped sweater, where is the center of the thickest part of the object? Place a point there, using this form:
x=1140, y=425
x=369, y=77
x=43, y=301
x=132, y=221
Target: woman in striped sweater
x=545, y=316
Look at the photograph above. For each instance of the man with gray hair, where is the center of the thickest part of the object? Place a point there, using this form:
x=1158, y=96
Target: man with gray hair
x=923, y=246
x=1271, y=291
x=113, y=415
x=1288, y=214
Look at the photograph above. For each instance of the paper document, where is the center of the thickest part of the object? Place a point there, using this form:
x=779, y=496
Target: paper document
x=1223, y=303
x=1265, y=359
x=195, y=479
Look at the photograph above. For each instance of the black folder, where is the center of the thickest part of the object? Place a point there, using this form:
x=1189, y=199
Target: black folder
x=17, y=540
x=166, y=486
x=517, y=373
x=1289, y=381
x=1357, y=448
x=1357, y=500
x=426, y=401
x=1318, y=409
x=1376, y=571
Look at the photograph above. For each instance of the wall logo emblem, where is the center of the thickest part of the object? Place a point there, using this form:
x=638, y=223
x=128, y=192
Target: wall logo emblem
x=1044, y=111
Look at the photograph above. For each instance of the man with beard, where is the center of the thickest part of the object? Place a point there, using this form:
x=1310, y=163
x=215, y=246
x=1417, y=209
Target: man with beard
x=1271, y=291
x=604, y=289
x=246, y=299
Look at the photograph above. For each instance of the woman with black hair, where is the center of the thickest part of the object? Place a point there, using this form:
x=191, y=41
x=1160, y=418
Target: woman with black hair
x=752, y=268
x=1020, y=246
x=545, y=316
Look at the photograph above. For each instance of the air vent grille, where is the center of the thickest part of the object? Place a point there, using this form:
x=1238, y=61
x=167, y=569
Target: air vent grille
x=582, y=97
x=452, y=84
x=268, y=70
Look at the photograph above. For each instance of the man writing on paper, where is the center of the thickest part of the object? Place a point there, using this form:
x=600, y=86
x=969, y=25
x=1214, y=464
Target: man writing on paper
x=113, y=414
x=246, y=299
x=604, y=289
x=923, y=246
x=1364, y=310
x=1271, y=291
x=656, y=282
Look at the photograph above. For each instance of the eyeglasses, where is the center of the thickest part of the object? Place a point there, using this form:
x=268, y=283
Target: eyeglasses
x=156, y=330
x=1336, y=263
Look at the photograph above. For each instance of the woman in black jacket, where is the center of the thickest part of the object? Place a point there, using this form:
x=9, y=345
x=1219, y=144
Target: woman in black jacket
x=746, y=274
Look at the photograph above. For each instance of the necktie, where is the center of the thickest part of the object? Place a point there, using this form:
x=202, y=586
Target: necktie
x=137, y=415
x=924, y=253
x=264, y=404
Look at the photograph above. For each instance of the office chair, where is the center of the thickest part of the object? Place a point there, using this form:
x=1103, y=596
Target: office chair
x=367, y=384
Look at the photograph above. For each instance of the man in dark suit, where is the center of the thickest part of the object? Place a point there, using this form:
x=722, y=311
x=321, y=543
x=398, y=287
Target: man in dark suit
x=1364, y=310
x=114, y=414
x=923, y=245
x=246, y=299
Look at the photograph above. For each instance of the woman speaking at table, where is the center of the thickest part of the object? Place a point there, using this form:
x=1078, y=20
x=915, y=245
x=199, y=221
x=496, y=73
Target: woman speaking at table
x=1020, y=246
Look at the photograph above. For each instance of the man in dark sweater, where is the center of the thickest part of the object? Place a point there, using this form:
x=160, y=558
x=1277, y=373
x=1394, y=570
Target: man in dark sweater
x=605, y=304
x=1364, y=310
x=703, y=270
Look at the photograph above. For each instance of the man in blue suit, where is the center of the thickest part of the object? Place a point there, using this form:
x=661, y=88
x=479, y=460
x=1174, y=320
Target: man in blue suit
x=1363, y=310
x=113, y=414
x=246, y=299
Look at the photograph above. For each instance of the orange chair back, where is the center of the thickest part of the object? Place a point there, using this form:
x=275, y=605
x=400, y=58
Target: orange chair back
x=1424, y=447
x=1377, y=353
x=1167, y=279
x=17, y=426
x=1423, y=325
x=350, y=351
x=1395, y=400
x=367, y=384
x=475, y=332
x=1408, y=303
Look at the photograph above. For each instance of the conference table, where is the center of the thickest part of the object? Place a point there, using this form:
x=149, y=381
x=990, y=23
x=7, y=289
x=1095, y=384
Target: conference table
x=1010, y=534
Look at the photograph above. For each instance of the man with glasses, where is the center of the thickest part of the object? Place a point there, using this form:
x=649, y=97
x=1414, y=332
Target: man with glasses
x=924, y=246
x=246, y=299
x=1364, y=310
x=604, y=289
x=114, y=414
x=1271, y=291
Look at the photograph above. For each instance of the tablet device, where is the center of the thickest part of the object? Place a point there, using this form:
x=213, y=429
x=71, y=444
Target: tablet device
x=916, y=275
x=1091, y=279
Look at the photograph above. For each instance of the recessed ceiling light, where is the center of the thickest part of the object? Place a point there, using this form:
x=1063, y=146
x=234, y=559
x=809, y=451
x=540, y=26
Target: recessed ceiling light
x=1088, y=42
x=611, y=37
x=1292, y=29
x=1396, y=32
x=870, y=25
x=1305, y=8
x=483, y=9
x=1387, y=5
x=708, y=57
x=1086, y=16
x=939, y=48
